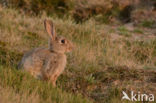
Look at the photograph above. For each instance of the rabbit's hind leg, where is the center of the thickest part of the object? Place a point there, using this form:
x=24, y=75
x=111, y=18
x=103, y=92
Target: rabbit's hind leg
x=53, y=79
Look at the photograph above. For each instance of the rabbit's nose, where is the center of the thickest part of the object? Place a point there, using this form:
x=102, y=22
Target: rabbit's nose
x=70, y=48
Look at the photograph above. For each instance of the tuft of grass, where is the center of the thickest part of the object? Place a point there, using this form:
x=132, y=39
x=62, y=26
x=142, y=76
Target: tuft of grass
x=90, y=79
x=147, y=23
x=138, y=31
x=123, y=31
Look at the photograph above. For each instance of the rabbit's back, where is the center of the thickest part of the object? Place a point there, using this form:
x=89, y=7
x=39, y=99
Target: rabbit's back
x=41, y=61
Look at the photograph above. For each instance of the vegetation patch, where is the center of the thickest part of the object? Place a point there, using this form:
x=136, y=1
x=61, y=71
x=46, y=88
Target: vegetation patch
x=24, y=83
x=105, y=60
x=123, y=31
x=148, y=23
x=8, y=57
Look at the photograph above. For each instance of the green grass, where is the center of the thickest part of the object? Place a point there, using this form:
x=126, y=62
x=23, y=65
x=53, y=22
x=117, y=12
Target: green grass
x=123, y=31
x=138, y=31
x=24, y=83
x=147, y=23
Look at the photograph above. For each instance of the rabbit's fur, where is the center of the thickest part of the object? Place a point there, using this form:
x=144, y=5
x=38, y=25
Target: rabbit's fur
x=47, y=63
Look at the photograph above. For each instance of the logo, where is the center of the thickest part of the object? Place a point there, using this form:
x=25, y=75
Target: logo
x=138, y=97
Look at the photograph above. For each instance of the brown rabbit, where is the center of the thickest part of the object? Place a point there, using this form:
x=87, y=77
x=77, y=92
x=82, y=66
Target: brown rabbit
x=47, y=63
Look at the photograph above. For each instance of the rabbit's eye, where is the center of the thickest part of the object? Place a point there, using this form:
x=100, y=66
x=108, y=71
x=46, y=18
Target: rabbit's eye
x=62, y=41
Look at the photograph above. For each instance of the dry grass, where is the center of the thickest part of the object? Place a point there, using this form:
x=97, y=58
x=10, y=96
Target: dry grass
x=102, y=55
x=92, y=41
x=7, y=95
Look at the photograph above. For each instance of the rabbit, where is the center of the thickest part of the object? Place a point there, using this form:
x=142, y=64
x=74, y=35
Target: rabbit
x=47, y=63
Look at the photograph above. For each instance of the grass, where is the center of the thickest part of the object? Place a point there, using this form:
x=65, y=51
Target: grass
x=123, y=31
x=23, y=83
x=7, y=95
x=147, y=23
x=138, y=31
x=97, y=70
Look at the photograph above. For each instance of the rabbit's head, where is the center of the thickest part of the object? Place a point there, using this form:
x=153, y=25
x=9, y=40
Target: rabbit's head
x=57, y=44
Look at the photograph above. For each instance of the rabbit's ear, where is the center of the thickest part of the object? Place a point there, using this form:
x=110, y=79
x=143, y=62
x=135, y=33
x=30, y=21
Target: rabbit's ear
x=49, y=26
